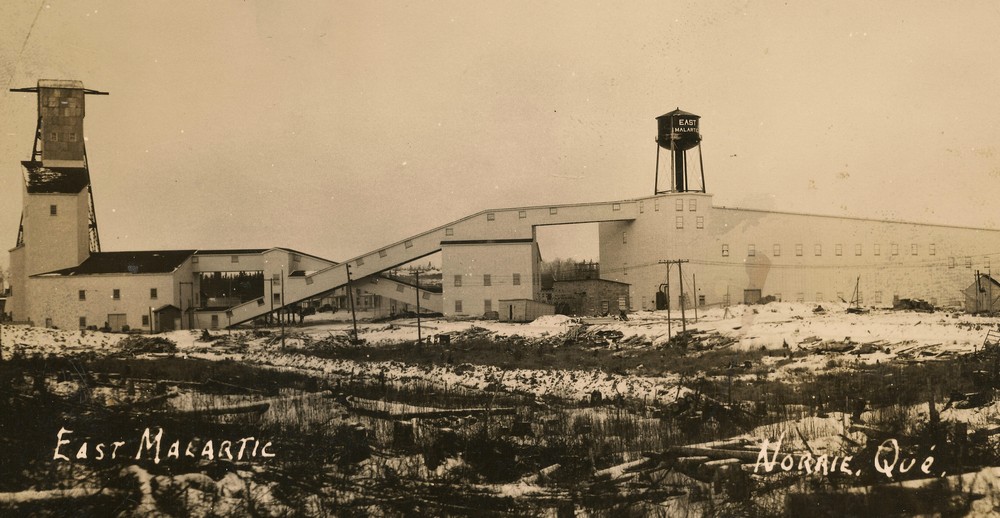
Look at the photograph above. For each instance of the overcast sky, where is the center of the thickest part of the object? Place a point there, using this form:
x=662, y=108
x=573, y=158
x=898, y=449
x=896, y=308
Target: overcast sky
x=337, y=127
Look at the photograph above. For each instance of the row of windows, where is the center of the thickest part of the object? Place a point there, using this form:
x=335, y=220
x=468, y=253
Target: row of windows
x=692, y=205
x=699, y=222
x=116, y=294
x=66, y=137
x=488, y=280
x=522, y=214
x=801, y=297
x=838, y=249
x=487, y=305
x=83, y=321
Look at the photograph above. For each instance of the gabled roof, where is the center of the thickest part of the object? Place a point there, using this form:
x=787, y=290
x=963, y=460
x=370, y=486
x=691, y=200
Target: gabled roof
x=54, y=180
x=154, y=261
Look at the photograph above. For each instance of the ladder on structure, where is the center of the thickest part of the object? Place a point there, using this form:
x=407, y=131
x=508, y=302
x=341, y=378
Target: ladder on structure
x=992, y=338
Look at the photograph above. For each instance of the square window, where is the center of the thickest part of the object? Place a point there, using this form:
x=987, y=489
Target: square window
x=234, y=259
x=491, y=216
x=517, y=279
x=857, y=249
x=725, y=250
x=382, y=254
x=277, y=298
x=458, y=306
x=798, y=249
x=458, y=280
x=449, y=231
x=53, y=136
x=838, y=250
x=116, y=294
x=487, y=280
x=818, y=249
x=777, y=251
x=751, y=250
x=152, y=293
x=53, y=210
x=679, y=204
x=616, y=206
x=693, y=204
x=521, y=214
x=700, y=221
x=360, y=261
x=83, y=294
x=408, y=244
x=399, y=288
x=194, y=260
x=296, y=258
x=679, y=222
x=553, y=210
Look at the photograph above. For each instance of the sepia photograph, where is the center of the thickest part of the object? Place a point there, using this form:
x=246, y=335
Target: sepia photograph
x=465, y=258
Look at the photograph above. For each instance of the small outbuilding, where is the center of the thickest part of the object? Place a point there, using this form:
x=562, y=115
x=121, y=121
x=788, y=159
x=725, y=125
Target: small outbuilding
x=983, y=295
x=523, y=310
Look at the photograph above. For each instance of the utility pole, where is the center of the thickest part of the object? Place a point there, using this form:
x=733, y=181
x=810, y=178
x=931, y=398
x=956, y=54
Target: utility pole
x=283, y=307
x=350, y=296
x=681, y=297
x=680, y=276
x=419, y=337
x=697, y=300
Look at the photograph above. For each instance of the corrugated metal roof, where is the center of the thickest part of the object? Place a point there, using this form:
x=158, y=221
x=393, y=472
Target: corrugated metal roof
x=153, y=261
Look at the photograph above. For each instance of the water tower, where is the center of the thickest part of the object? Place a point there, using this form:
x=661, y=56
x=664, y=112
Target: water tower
x=677, y=131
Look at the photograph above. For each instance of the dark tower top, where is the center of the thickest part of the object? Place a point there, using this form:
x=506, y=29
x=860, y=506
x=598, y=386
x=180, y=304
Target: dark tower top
x=678, y=130
x=59, y=142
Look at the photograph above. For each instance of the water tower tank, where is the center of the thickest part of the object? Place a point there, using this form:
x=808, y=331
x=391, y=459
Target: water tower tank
x=679, y=127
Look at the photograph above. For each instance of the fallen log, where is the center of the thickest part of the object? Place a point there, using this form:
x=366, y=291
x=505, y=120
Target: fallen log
x=53, y=495
x=241, y=408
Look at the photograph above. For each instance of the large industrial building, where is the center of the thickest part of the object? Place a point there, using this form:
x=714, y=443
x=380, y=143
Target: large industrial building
x=714, y=255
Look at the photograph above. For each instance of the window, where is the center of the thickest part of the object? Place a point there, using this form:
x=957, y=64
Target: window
x=458, y=280
x=145, y=320
x=116, y=294
x=751, y=250
x=83, y=294
x=296, y=258
x=360, y=261
x=878, y=297
x=194, y=260
x=798, y=249
x=449, y=231
x=877, y=249
x=53, y=136
x=931, y=249
x=968, y=262
x=819, y=296
x=521, y=214
x=624, y=238
x=408, y=244
x=616, y=206
x=679, y=204
x=277, y=298
x=693, y=204
x=53, y=210
x=725, y=250
x=857, y=249
x=382, y=254
x=641, y=207
x=487, y=281
x=234, y=259
x=553, y=211
x=491, y=216
x=838, y=249
x=83, y=322
x=700, y=221
x=656, y=205
x=624, y=268
x=894, y=249
x=72, y=137
x=777, y=251
x=818, y=249
x=152, y=293
x=679, y=222
x=986, y=262
x=800, y=297
x=951, y=262
x=458, y=306
x=399, y=288
x=701, y=300
x=913, y=249
x=487, y=305
x=215, y=321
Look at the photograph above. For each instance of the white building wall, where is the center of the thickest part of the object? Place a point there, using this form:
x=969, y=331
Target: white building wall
x=54, y=242
x=56, y=299
x=791, y=256
x=471, y=262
